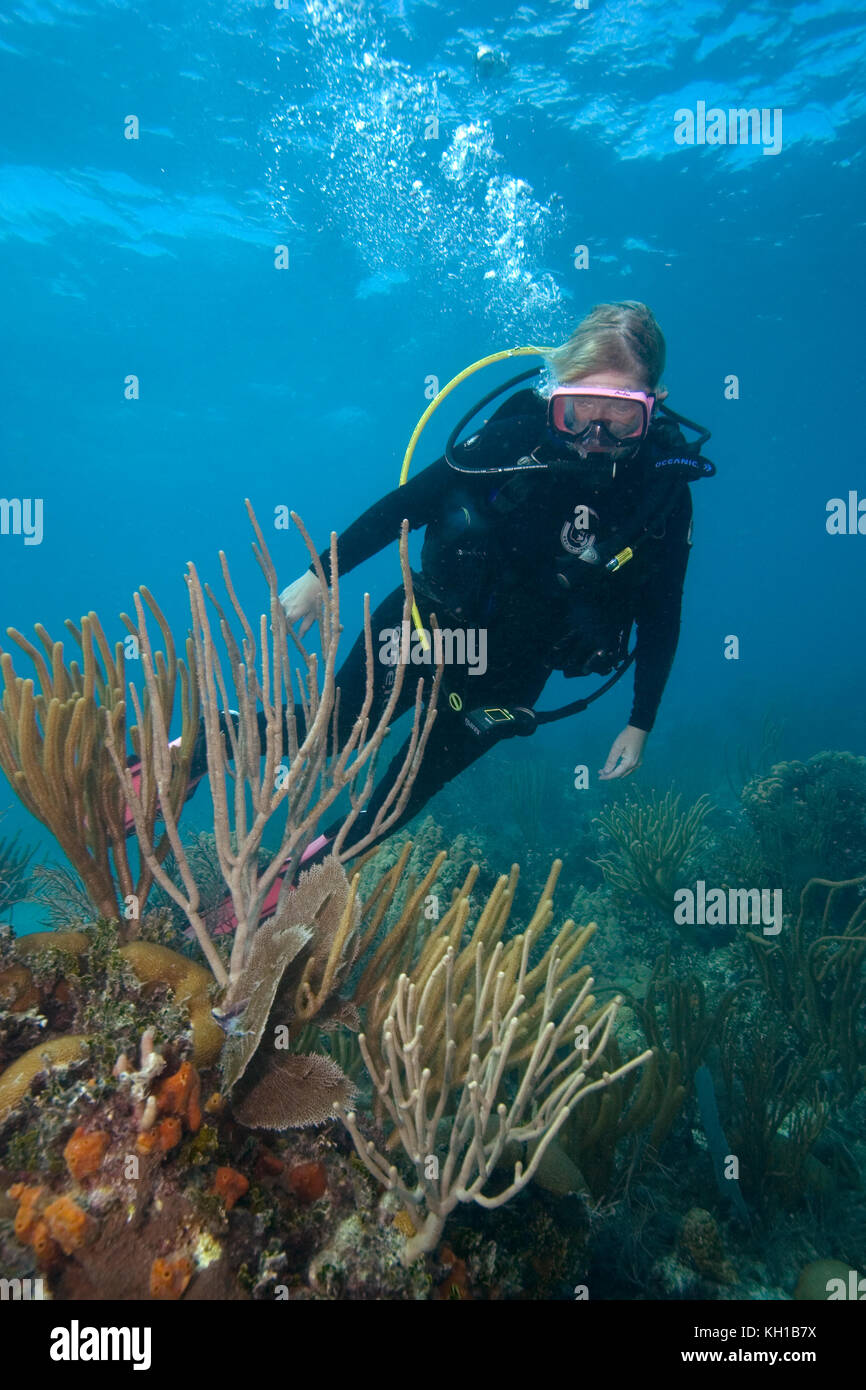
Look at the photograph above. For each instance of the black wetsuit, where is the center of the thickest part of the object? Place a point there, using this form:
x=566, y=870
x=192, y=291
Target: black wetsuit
x=509, y=553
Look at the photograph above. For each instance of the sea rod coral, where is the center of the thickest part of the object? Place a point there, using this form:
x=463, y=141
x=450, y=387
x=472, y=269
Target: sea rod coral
x=654, y=841
x=481, y=1049
x=54, y=753
x=251, y=786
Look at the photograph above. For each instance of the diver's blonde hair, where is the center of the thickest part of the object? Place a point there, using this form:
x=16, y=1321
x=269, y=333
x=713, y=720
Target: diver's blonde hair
x=622, y=337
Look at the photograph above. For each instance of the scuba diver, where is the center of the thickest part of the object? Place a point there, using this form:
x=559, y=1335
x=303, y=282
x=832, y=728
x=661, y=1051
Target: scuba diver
x=554, y=529
x=561, y=523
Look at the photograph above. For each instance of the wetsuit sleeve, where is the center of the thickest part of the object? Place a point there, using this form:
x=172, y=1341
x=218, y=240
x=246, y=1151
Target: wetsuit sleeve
x=419, y=501
x=657, y=613
x=380, y=524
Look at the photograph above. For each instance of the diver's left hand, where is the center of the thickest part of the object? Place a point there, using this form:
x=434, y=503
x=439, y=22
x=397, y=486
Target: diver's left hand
x=626, y=755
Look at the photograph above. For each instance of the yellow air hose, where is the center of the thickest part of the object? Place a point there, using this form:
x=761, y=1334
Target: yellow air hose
x=433, y=406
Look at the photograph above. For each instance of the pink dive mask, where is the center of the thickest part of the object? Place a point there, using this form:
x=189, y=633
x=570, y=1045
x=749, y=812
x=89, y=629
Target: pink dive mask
x=599, y=419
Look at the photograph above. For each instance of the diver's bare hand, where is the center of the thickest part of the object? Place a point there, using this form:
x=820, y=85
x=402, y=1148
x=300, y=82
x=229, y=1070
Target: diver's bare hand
x=301, y=602
x=626, y=755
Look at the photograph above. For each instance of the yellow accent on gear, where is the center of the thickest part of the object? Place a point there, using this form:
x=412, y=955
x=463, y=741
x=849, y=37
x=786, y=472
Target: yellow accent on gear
x=434, y=405
x=622, y=558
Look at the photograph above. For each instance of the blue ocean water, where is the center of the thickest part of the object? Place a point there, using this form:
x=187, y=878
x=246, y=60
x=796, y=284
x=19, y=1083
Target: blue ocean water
x=243, y=246
x=431, y=170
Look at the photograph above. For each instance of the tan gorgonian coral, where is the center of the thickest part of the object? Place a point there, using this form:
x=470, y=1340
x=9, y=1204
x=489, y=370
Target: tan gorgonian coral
x=53, y=750
x=252, y=789
x=476, y=1046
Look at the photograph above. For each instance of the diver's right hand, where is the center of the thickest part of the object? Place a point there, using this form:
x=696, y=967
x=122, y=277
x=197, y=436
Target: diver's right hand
x=302, y=602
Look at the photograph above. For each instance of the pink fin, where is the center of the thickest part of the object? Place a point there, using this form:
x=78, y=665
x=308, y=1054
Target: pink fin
x=128, y=822
x=225, y=920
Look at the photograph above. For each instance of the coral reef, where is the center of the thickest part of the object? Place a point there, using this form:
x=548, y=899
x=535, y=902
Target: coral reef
x=54, y=752
x=700, y=1240
x=809, y=818
x=298, y=961
x=306, y=1108
x=814, y=974
x=778, y=1106
x=459, y=1024
x=244, y=753
x=654, y=843
x=191, y=985
x=16, y=1080
x=14, y=879
x=219, y=1213
x=149, y=964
